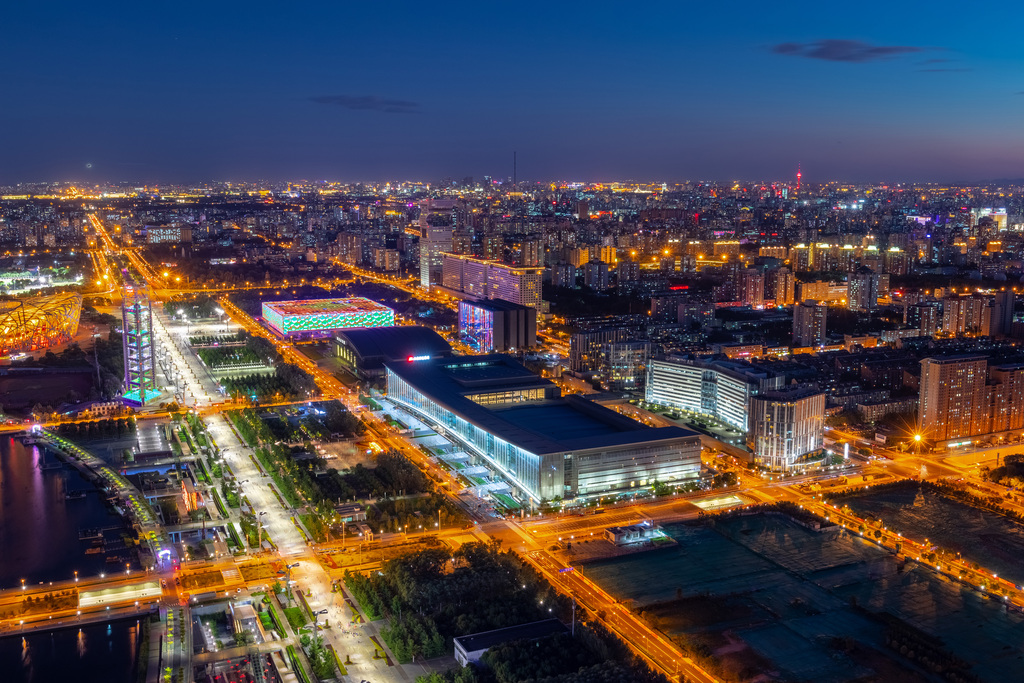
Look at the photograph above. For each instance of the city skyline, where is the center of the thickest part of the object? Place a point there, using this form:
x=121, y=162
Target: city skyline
x=745, y=91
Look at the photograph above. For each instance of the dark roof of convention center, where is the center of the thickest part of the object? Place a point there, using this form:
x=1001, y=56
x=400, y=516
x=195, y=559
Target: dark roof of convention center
x=532, y=631
x=550, y=426
x=397, y=342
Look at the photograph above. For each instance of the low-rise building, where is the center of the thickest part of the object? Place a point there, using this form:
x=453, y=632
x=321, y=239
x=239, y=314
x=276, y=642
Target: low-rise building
x=470, y=648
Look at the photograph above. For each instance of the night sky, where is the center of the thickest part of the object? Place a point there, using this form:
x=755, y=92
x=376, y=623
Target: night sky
x=174, y=91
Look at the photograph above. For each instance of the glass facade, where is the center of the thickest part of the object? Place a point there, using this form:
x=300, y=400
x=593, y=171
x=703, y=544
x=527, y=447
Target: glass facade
x=537, y=477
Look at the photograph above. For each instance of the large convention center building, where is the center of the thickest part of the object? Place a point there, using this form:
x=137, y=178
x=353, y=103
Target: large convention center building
x=546, y=445
x=321, y=317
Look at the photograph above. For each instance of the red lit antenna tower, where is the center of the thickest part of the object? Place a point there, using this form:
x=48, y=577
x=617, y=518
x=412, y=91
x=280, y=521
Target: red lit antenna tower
x=798, y=176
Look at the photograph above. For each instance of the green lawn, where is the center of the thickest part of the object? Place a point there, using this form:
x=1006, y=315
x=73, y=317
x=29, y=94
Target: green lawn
x=296, y=616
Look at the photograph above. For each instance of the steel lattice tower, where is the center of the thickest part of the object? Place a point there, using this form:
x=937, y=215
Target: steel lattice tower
x=139, y=356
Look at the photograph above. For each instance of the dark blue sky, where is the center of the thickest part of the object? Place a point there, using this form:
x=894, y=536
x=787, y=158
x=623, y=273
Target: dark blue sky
x=174, y=91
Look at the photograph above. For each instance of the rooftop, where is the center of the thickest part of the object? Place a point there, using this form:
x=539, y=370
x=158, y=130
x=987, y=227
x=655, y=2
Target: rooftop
x=399, y=342
x=322, y=306
x=494, y=305
x=552, y=425
x=532, y=631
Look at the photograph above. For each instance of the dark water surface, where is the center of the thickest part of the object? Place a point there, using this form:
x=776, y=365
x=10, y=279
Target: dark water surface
x=39, y=528
x=97, y=653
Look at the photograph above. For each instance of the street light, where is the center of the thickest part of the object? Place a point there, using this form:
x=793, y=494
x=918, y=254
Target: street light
x=316, y=615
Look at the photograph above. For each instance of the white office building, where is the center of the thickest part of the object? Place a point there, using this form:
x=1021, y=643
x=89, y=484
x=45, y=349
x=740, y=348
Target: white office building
x=787, y=426
x=718, y=389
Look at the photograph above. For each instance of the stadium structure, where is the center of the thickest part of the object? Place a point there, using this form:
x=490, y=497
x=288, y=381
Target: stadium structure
x=320, y=317
x=38, y=322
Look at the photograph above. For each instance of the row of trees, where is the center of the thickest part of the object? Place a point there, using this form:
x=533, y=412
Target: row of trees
x=98, y=429
x=227, y=356
x=199, y=306
x=431, y=596
x=476, y=588
x=286, y=382
x=417, y=514
x=394, y=475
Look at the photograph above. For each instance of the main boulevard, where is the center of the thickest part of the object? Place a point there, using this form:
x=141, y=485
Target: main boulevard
x=312, y=571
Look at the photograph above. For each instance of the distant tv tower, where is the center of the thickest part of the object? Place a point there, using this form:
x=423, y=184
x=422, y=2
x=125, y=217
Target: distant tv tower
x=798, y=176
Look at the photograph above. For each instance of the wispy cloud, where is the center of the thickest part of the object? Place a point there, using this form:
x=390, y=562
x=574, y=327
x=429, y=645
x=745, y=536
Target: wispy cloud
x=369, y=103
x=835, y=50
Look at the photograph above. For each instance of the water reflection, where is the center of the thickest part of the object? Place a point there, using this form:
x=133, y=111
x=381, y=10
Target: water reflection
x=98, y=653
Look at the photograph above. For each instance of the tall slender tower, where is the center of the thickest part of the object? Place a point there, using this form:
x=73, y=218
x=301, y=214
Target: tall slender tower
x=799, y=175
x=139, y=361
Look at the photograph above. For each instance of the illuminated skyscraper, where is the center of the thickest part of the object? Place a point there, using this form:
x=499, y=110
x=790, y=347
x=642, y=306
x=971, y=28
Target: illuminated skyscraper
x=952, y=400
x=437, y=223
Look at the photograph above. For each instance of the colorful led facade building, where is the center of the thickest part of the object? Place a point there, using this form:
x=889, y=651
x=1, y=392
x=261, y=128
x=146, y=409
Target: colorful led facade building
x=38, y=322
x=320, y=317
x=139, y=352
x=497, y=325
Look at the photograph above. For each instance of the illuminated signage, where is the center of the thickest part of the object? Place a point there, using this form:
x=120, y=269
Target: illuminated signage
x=412, y=358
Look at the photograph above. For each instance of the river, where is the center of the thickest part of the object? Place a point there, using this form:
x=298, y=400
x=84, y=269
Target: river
x=96, y=653
x=39, y=534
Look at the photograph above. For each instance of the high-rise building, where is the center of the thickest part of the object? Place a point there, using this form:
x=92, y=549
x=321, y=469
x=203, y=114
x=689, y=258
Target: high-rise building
x=963, y=315
x=563, y=275
x=595, y=275
x=718, y=389
x=627, y=271
x=864, y=289
x=784, y=292
x=484, y=279
x=998, y=318
x=926, y=317
x=385, y=259
x=751, y=288
x=809, y=323
x=623, y=365
x=952, y=399
x=437, y=224
x=786, y=425
x=585, y=347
